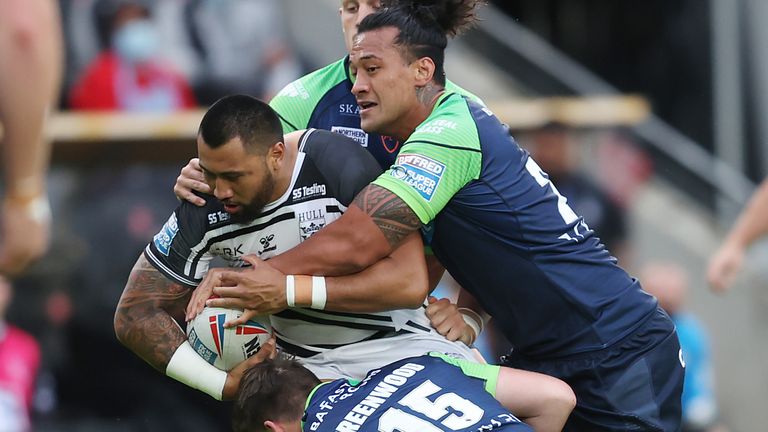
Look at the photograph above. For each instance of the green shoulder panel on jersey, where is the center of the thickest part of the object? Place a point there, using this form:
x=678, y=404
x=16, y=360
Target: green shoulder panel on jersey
x=483, y=371
x=296, y=101
x=439, y=158
x=451, y=87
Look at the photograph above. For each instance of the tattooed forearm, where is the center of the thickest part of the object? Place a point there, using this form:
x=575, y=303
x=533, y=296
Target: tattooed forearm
x=390, y=213
x=144, y=320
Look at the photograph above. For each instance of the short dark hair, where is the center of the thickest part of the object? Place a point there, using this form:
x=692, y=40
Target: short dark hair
x=246, y=117
x=424, y=26
x=272, y=390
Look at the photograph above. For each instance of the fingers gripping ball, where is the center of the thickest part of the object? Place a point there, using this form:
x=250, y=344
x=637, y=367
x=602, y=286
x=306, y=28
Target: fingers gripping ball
x=223, y=347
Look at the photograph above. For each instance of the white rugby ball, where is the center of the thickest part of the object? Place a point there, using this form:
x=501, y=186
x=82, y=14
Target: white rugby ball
x=223, y=347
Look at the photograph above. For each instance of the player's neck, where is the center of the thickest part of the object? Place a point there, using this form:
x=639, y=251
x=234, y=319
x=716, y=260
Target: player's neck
x=428, y=97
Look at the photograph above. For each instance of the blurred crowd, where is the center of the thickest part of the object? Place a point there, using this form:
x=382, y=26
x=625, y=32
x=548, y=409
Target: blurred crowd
x=161, y=56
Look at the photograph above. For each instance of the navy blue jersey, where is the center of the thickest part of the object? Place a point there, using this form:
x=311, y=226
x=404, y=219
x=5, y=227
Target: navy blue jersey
x=506, y=234
x=323, y=99
x=418, y=394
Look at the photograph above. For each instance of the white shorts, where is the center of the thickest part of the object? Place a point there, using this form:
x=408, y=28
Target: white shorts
x=356, y=360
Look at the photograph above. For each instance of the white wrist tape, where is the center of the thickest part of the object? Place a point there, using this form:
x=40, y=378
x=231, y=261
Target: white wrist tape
x=39, y=209
x=473, y=320
x=188, y=367
x=319, y=292
x=290, y=290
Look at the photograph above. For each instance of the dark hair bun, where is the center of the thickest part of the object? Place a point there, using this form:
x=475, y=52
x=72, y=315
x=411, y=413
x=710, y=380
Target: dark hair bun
x=452, y=16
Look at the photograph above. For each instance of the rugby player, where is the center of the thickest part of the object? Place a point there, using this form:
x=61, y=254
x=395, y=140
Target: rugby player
x=426, y=393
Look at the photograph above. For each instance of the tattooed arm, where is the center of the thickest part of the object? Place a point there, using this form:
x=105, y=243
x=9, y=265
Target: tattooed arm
x=145, y=320
x=373, y=226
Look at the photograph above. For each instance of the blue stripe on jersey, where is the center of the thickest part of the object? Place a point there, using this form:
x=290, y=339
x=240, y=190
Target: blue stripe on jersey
x=536, y=267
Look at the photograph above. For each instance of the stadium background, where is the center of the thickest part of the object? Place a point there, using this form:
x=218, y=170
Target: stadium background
x=679, y=161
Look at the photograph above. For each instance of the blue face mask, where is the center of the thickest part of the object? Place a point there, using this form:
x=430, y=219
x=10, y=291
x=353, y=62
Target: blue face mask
x=136, y=41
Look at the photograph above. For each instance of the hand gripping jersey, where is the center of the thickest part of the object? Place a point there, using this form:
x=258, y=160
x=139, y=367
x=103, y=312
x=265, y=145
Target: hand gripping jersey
x=430, y=393
x=504, y=233
x=323, y=100
x=330, y=170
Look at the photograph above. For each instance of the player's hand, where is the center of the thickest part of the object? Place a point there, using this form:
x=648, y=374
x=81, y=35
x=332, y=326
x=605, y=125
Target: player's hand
x=247, y=315
x=25, y=231
x=191, y=179
x=724, y=266
x=232, y=384
x=448, y=321
x=261, y=289
x=204, y=291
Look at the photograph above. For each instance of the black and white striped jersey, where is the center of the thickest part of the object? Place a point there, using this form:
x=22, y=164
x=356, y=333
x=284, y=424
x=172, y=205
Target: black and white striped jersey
x=330, y=170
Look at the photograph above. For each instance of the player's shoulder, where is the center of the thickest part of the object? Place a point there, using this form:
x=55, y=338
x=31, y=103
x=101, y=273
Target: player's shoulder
x=207, y=217
x=341, y=160
x=314, y=84
x=450, y=124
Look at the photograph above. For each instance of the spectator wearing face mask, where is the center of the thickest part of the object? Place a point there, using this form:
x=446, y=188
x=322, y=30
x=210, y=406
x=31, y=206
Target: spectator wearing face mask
x=127, y=75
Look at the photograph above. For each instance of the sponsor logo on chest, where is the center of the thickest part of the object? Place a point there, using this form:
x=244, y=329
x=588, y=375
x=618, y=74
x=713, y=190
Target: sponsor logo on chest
x=310, y=222
x=358, y=135
x=349, y=109
x=304, y=192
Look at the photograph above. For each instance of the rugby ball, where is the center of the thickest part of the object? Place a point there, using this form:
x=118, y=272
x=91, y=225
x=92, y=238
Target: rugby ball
x=223, y=347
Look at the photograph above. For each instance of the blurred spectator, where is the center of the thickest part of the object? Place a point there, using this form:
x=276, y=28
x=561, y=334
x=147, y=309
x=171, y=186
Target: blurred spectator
x=228, y=46
x=668, y=282
x=19, y=362
x=127, y=74
x=552, y=148
x=751, y=225
x=30, y=69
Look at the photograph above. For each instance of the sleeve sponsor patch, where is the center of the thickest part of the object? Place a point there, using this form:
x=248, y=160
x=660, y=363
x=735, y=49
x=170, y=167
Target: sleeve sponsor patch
x=295, y=90
x=419, y=172
x=164, y=238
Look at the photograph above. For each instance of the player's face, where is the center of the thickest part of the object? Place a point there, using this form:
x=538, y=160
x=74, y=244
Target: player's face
x=351, y=13
x=385, y=83
x=242, y=181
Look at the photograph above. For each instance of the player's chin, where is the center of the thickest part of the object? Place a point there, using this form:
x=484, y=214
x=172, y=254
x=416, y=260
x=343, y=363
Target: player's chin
x=369, y=123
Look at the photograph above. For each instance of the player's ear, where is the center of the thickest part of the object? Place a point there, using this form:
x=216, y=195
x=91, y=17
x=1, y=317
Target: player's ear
x=276, y=155
x=270, y=425
x=423, y=71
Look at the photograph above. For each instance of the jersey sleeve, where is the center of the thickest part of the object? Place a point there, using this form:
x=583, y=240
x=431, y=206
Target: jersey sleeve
x=346, y=165
x=296, y=102
x=292, y=107
x=441, y=157
x=486, y=372
x=178, y=251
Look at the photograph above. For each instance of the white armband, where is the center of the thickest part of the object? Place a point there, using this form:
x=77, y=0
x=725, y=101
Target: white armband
x=473, y=319
x=188, y=367
x=319, y=293
x=290, y=290
x=38, y=208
